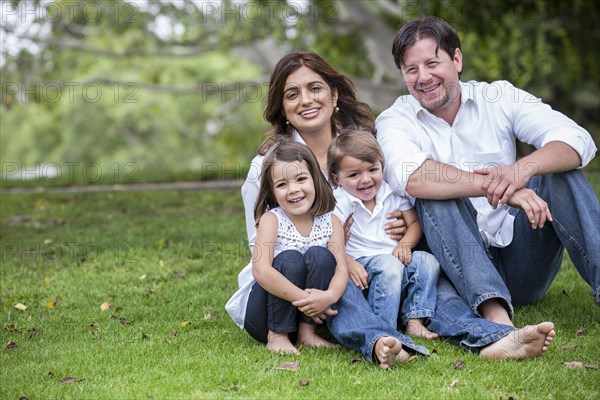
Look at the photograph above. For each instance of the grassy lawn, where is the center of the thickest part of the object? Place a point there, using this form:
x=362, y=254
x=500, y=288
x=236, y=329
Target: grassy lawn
x=167, y=262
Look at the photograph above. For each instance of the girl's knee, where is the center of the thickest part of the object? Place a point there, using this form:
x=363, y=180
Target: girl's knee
x=289, y=261
x=319, y=257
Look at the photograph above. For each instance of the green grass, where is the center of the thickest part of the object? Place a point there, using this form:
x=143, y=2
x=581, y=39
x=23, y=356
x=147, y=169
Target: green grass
x=166, y=258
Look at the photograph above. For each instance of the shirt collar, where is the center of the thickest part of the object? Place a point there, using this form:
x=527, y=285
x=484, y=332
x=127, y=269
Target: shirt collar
x=384, y=191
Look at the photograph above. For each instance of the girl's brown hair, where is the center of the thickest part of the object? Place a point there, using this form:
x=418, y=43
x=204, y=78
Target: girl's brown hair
x=290, y=151
x=353, y=142
x=351, y=111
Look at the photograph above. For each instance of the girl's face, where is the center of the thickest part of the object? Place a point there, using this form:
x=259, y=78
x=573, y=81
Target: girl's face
x=293, y=187
x=359, y=178
x=308, y=101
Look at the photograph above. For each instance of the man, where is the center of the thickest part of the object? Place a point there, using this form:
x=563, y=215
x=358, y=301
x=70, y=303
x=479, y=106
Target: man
x=498, y=226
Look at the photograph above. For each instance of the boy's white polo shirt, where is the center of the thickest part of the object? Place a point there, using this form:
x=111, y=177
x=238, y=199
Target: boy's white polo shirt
x=368, y=237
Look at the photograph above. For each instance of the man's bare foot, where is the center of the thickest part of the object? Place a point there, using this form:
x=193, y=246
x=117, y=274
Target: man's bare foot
x=280, y=343
x=494, y=311
x=388, y=351
x=528, y=342
x=415, y=327
x=307, y=337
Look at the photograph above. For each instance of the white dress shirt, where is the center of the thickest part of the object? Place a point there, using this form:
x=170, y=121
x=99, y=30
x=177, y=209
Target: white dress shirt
x=367, y=235
x=490, y=118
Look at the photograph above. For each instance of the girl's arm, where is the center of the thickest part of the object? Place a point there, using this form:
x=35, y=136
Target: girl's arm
x=411, y=237
x=317, y=304
x=262, y=262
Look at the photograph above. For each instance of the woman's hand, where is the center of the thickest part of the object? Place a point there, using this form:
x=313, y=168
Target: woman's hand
x=396, y=228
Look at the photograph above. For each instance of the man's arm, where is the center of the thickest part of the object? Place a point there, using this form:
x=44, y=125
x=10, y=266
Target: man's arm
x=438, y=181
x=501, y=182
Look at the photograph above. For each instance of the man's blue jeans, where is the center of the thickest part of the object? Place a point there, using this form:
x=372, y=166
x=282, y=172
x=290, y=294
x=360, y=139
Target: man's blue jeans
x=522, y=272
x=394, y=288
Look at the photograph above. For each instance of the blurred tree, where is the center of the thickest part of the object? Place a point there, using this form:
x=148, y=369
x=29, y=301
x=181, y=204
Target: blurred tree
x=181, y=84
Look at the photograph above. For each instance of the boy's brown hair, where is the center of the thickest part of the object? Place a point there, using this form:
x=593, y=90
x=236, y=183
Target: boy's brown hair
x=353, y=142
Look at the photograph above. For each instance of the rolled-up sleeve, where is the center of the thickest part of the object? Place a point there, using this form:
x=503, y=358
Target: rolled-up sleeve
x=250, y=190
x=537, y=123
x=396, y=134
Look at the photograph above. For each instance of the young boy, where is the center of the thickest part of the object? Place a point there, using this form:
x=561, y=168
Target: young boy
x=376, y=262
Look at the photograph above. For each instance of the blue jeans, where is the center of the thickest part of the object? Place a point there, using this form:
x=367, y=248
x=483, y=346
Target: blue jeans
x=419, y=287
x=455, y=321
x=265, y=312
x=385, y=278
x=358, y=328
x=394, y=287
x=521, y=272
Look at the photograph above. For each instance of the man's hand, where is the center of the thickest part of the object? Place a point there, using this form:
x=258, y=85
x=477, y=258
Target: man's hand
x=347, y=226
x=502, y=181
x=535, y=207
x=396, y=228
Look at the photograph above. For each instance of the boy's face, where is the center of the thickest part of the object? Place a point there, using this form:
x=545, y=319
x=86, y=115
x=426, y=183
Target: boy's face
x=359, y=178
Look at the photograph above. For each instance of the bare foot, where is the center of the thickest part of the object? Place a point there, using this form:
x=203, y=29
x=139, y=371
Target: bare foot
x=388, y=351
x=528, y=342
x=280, y=343
x=494, y=311
x=415, y=327
x=307, y=336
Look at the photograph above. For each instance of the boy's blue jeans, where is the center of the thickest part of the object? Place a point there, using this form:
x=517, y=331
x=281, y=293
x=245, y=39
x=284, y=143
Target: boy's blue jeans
x=395, y=288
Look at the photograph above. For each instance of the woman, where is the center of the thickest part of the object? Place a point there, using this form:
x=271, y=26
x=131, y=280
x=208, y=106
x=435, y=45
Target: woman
x=310, y=102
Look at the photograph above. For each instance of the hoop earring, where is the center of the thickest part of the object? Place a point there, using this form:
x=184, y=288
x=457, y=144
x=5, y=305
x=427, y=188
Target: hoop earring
x=337, y=109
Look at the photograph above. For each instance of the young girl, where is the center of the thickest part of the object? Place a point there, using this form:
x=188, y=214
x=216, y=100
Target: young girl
x=298, y=258
x=375, y=261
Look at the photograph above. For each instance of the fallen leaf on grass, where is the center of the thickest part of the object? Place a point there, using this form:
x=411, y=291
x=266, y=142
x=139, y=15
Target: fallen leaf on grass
x=33, y=332
x=211, y=315
x=578, y=365
x=289, y=365
x=143, y=277
x=10, y=346
x=106, y=305
x=581, y=331
x=303, y=383
x=71, y=379
x=124, y=321
x=357, y=360
x=185, y=324
x=117, y=312
x=53, y=303
x=20, y=306
x=458, y=364
x=568, y=346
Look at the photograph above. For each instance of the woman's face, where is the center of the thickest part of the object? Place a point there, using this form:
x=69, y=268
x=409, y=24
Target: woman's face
x=308, y=102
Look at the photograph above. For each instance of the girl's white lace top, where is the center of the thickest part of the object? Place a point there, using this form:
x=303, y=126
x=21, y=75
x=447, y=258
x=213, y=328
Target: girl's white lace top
x=288, y=237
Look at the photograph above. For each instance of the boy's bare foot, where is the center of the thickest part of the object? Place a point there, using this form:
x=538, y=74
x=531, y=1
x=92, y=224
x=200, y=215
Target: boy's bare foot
x=528, y=342
x=494, y=311
x=388, y=351
x=307, y=337
x=280, y=343
x=415, y=327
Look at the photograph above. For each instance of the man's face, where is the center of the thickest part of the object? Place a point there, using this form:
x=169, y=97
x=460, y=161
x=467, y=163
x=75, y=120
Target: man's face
x=433, y=78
